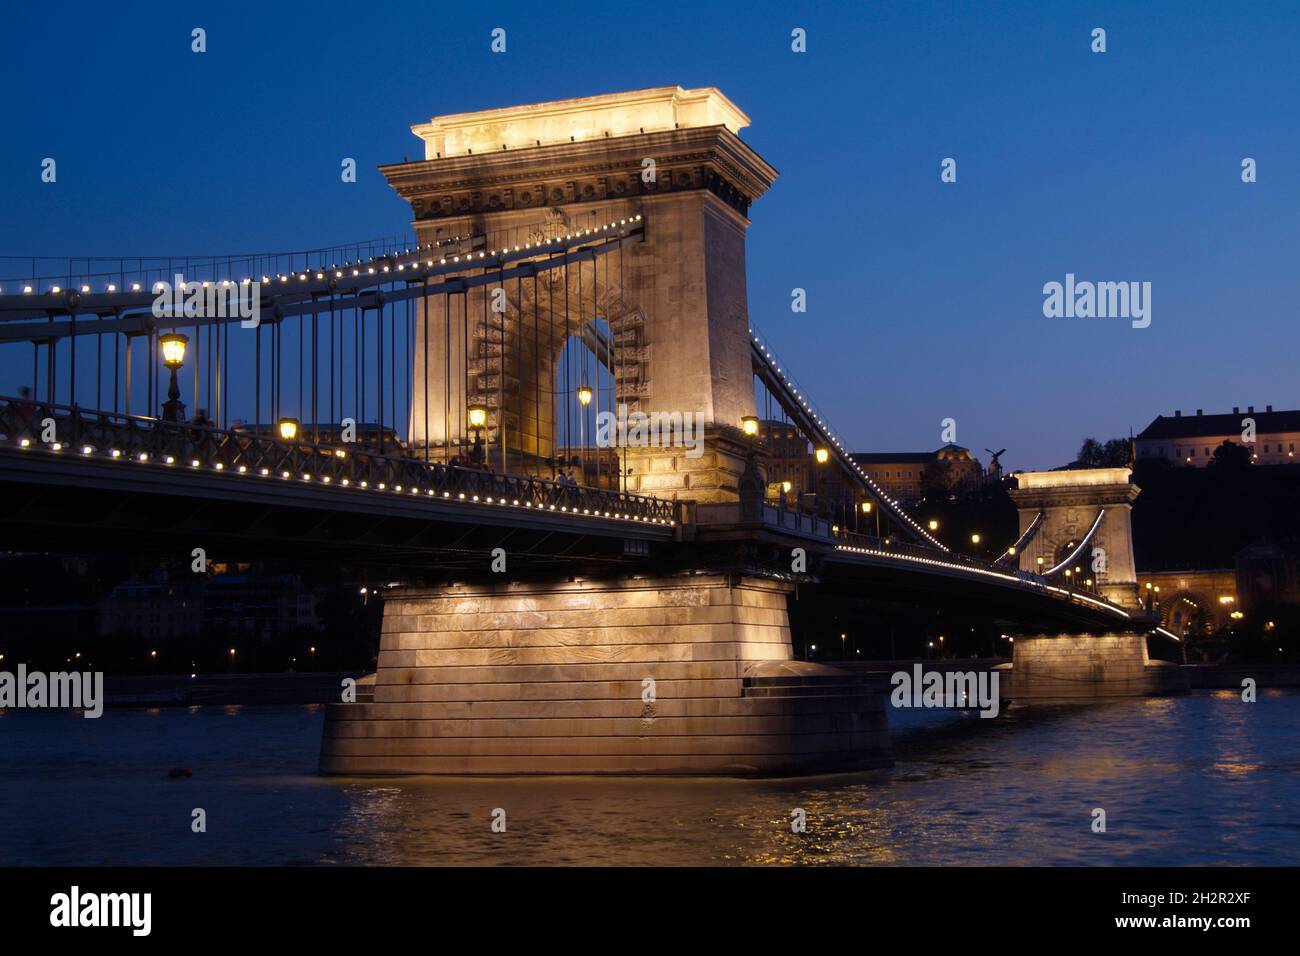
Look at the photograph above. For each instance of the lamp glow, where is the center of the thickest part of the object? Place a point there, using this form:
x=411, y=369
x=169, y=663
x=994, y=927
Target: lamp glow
x=173, y=349
x=288, y=428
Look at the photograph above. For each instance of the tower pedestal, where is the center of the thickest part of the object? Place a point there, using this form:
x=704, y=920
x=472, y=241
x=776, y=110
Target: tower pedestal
x=1076, y=667
x=683, y=675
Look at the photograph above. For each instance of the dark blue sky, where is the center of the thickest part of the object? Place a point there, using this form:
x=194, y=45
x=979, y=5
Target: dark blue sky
x=924, y=299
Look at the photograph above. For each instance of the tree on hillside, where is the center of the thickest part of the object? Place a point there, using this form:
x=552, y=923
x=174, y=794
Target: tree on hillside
x=1090, y=453
x=936, y=478
x=1230, y=455
x=1114, y=454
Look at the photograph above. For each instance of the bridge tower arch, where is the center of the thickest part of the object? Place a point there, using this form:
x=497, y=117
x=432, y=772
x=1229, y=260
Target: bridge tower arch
x=676, y=300
x=1084, y=510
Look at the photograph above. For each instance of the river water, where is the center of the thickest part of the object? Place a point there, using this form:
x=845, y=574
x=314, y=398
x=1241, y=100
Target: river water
x=1203, y=779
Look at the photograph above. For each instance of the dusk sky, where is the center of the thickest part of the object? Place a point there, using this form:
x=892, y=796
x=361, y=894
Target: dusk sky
x=924, y=299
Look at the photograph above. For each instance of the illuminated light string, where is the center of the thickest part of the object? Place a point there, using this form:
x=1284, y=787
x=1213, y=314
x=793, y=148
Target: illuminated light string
x=1019, y=546
x=1010, y=578
x=116, y=454
x=304, y=275
x=832, y=438
x=1082, y=544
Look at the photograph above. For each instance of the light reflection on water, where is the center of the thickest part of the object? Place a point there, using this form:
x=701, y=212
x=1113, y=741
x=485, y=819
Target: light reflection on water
x=1190, y=780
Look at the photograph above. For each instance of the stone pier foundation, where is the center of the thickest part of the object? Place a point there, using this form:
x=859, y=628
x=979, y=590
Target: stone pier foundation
x=682, y=675
x=1087, y=667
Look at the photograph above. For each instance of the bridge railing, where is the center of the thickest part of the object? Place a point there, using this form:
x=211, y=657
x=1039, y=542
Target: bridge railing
x=27, y=424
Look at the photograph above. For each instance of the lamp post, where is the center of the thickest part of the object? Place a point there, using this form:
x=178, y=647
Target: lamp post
x=288, y=428
x=751, y=485
x=477, y=416
x=173, y=350
x=584, y=399
x=870, y=509
x=821, y=456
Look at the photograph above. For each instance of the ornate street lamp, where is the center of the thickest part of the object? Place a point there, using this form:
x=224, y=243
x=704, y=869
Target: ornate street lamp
x=288, y=428
x=477, y=416
x=869, y=509
x=751, y=485
x=173, y=350
x=584, y=399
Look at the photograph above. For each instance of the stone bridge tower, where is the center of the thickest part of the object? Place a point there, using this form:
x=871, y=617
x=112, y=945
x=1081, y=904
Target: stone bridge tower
x=678, y=311
x=1070, y=502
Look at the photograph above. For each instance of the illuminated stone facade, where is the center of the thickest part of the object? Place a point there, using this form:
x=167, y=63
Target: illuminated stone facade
x=674, y=303
x=1071, y=500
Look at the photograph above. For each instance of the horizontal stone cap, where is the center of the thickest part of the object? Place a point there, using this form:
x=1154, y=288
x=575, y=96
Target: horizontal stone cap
x=771, y=669
x=584, y=118
x=1072, y=478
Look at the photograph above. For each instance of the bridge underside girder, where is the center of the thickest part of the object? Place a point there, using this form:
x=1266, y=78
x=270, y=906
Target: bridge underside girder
x=1015, y=609
x=87, y=513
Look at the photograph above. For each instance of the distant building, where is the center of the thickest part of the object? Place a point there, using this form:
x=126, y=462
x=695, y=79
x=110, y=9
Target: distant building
x=898, y=473
x=154, y=609
x=1192, y=439
x=789, y=457
x=242, y=603
x=901, y=474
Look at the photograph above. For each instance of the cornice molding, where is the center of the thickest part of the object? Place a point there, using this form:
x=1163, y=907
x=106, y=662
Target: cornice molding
x=710, y=158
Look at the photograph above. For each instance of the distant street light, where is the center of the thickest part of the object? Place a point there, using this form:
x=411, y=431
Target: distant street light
x=288, y=428
x=749, y=424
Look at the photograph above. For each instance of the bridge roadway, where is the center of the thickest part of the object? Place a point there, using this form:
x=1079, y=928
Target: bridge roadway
x=113, y=479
